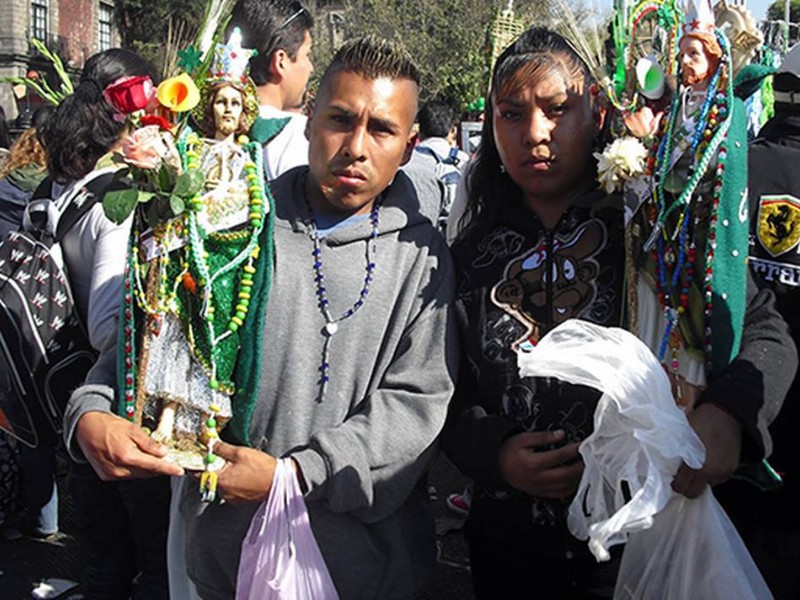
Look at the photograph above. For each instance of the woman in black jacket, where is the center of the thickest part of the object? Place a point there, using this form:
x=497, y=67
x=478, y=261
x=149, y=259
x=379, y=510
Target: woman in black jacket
x=543, y=245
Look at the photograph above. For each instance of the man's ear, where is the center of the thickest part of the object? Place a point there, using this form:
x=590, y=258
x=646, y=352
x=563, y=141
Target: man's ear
x=277, y=63
x=410, y=145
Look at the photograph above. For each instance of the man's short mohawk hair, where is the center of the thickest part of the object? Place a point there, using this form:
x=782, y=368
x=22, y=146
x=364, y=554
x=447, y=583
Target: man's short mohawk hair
x=374, y=57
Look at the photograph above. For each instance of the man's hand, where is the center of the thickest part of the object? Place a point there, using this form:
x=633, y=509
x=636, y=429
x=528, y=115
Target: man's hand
x=247, y=476
x=118, y=449
x=541, y=473
x=721, y=434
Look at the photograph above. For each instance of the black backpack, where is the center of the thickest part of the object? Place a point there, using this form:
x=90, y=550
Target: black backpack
x=44, y=350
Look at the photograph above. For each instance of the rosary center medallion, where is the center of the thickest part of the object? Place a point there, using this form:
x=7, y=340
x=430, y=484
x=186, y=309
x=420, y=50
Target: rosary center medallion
x=331, y=328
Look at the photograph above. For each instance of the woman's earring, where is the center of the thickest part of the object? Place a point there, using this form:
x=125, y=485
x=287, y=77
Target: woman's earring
x=502, y=168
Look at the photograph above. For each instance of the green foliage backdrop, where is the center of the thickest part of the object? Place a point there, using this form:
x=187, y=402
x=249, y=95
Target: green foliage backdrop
x=447, y=38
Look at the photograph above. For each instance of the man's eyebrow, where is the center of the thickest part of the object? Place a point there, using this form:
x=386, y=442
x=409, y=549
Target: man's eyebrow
x=384, y=123
x=373, y=120
x=341, y=110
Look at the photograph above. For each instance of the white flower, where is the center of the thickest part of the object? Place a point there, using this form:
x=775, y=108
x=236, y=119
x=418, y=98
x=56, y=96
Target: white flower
x=621, y=160
x=148, y=147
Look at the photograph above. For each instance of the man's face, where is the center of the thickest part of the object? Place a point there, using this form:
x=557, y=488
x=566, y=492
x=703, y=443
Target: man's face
x=296, y=75
x=359, y=135
x=694, y=61
x=227, y=111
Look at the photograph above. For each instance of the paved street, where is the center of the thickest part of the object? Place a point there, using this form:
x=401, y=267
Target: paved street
x=26, y=562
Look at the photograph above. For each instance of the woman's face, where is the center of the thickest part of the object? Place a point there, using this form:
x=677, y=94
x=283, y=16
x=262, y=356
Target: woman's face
x=544, y=132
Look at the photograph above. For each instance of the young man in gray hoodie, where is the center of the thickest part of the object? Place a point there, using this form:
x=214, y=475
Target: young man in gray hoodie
x=359, y=353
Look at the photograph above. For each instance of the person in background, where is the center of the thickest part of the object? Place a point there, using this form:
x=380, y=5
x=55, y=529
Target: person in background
x=21, y=174
x=123, y=525
x=280, y=30
x=768, y=520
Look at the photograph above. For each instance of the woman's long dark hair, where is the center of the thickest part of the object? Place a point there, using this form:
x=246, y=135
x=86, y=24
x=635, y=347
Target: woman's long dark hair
x=490, y=189
x=83, y=128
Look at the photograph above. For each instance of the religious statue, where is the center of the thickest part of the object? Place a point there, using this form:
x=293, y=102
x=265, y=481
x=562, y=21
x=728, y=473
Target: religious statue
x=194, y=277
x=688, y=233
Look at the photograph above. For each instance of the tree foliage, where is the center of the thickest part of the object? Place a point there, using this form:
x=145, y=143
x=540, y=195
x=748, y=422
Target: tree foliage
x=447, y=38
x=776, y=11
x=146, y=25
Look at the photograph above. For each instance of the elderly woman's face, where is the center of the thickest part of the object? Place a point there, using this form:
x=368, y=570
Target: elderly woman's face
x=544, y=132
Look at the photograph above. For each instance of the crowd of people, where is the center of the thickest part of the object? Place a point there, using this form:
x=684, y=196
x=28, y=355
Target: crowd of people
x=373, y=313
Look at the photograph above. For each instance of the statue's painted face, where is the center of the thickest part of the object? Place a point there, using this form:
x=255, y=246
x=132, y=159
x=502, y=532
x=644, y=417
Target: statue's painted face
x=694, y=61
x=227, y=111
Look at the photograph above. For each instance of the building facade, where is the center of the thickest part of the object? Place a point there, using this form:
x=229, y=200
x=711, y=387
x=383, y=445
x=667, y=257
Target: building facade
x=73, y=29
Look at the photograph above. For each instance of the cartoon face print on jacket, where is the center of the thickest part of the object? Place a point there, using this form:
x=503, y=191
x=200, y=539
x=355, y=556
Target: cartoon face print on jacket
x=570, y=275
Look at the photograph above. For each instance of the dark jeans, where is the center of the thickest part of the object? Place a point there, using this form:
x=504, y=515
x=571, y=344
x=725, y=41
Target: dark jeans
x=516, y=567
x=38, y=466
x=123, y=530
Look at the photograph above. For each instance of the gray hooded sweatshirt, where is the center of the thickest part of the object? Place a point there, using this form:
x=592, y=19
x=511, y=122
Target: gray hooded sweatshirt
x=364, y=448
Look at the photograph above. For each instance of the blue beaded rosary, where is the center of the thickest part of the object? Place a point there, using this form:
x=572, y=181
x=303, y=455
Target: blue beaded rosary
x=332, y=324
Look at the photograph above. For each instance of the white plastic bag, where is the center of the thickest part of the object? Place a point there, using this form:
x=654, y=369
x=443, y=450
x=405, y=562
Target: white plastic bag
x=280, y=557
x=639, y=441
x=691, y=551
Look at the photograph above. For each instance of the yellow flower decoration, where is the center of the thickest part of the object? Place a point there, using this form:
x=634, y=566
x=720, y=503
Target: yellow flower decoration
x=178, y=94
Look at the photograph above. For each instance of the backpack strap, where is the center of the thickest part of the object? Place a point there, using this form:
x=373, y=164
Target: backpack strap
x=429, y=152
x=44, y=189
x=90, y=193
x=453, y=158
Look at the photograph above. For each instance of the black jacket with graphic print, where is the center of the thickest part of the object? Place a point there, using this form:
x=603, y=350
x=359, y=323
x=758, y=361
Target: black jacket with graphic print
x=517, y=282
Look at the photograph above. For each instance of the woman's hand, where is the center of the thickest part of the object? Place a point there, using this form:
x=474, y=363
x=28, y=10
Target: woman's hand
x=543, y=473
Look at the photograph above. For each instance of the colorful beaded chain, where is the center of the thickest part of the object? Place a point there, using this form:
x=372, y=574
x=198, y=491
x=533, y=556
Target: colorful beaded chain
x=332, y=324
x=713, y=124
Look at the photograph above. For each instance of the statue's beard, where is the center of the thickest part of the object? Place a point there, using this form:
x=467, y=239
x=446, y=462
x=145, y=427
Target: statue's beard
x=226, y=127
x=692, y=78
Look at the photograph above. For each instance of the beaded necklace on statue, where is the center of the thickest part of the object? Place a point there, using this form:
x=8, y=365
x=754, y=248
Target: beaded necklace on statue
x=675, y=252
x=196, y=275
x=332, y=324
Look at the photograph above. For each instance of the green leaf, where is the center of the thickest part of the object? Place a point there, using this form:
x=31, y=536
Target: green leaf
x=188, y=184
x=119, y=204
x=166, y=179
x=145, y=196
x=177, y=204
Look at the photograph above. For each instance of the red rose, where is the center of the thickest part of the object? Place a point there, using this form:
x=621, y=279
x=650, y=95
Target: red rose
x=129, y=94
x=156, y=120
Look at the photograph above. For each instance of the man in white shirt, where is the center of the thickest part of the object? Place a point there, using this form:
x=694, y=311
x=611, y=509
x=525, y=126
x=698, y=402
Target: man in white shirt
x=281, y=32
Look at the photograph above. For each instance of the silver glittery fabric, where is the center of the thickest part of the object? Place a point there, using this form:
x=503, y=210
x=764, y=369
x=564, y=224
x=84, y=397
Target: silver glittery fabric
x=174, y=374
